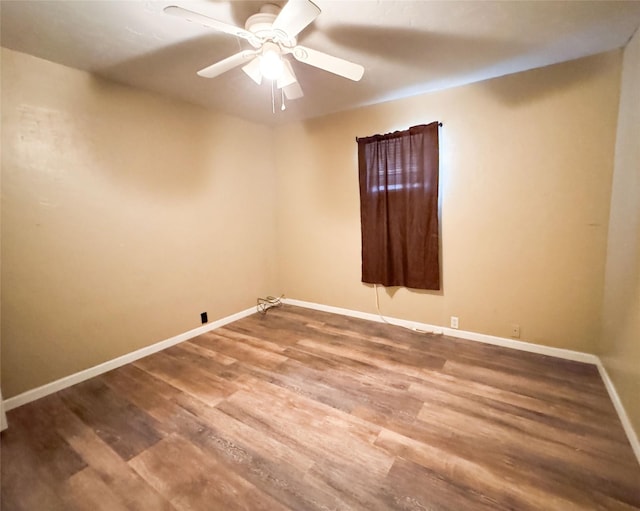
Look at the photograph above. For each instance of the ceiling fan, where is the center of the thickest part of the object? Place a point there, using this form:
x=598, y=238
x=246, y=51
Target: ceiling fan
x=272, y=33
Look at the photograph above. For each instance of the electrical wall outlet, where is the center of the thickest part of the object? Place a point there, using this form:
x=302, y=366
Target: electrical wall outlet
x=454, y=321
x=203, y=317
x=515, y=331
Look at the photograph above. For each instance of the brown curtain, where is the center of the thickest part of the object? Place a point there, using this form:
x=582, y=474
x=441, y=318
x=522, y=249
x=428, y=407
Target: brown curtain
x=399, y=208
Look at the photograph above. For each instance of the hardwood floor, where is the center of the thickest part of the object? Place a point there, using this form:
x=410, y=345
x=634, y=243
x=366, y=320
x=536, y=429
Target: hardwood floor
x=303, y=410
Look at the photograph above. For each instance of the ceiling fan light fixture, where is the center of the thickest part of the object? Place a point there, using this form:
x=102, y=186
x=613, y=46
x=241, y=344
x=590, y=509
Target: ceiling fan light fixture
x=287, y=77
x=271, y=65
x=252, y=69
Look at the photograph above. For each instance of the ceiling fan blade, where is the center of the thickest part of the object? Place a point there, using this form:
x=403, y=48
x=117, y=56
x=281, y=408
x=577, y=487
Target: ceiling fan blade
x=253, y=70
x=226, y=64
x=329, y=63
x=295, y=16
x=293, y=91
x=288, y=76
x=221, y=26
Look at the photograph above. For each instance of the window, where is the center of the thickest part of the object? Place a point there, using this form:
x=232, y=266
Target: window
x=393, y=172
x=398, y=175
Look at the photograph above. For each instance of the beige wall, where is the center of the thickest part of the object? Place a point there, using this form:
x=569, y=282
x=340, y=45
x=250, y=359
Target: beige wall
x=3, y=417
x=526, y=166
x=620, y=348
x=124, y=215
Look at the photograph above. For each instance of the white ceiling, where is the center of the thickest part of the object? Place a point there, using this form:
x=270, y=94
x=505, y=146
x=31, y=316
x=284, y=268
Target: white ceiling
x=406, y=47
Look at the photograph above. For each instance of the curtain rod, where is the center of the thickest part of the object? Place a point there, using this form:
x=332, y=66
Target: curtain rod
x=439, y=125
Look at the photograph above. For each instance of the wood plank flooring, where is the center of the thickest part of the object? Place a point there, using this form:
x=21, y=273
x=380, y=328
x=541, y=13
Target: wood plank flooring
x=303, y=410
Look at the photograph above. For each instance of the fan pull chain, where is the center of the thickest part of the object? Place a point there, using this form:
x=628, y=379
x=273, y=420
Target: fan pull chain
x=273, y=97
x=283, y=107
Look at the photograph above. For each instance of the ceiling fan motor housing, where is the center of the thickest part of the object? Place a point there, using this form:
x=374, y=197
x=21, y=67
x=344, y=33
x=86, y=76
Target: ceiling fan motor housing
x=261, y=25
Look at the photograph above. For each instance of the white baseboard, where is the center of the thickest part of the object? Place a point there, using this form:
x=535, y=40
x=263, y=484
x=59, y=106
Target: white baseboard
x=67, y=381
x=622, y=413
x=576, y=356
x=3, y=416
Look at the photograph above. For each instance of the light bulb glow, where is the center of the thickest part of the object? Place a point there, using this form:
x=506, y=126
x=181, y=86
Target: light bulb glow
x=271, y=65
